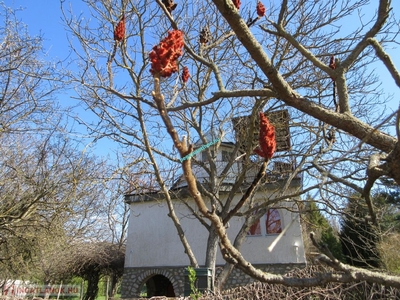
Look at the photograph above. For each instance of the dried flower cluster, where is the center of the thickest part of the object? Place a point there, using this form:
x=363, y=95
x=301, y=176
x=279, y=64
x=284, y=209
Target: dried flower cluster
x=260, y=9
x=266, y=140
x=185, y=74
x=205, y=35
x=237, y=3
x=170, y=5
x=332, y=63
x=119, y=31
x=164, y=56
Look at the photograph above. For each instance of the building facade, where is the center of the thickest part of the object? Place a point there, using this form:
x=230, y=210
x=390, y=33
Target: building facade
x=155, y=261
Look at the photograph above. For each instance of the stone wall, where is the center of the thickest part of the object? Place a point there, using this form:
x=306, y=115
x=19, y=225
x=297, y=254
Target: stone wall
x=134, y=278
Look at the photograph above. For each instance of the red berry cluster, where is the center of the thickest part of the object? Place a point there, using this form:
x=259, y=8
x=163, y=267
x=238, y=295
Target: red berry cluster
x=237, y=3
x=163, y=56
x=185, y=74
x=260, y=9
x=119, y=32
x=266, y=140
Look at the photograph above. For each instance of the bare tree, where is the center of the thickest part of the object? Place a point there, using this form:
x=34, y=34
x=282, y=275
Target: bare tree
x=26, y=106
x=50, y=191
x=49, y=187
x=298, y=57
x=28, y=80
x=90, y=260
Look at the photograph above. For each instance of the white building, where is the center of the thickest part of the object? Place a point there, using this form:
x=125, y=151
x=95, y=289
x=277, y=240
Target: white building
x=155, y=259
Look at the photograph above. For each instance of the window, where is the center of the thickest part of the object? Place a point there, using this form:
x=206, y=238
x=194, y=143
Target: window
x=269, y=223
x=255, y=229
x=226, y=155
x=273, y=221
x=204, y=157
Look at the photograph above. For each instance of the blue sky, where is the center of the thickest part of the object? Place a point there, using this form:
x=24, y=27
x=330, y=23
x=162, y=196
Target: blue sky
x=44, y=17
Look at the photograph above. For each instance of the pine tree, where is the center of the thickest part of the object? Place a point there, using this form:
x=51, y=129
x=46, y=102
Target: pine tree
x=359, y=237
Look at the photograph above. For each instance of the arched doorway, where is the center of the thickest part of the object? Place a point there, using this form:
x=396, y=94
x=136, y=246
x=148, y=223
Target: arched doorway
x=157, y=285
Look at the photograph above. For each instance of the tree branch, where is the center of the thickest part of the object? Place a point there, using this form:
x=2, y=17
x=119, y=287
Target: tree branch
x=385, y=58
x=249, y=192
x=345, y=122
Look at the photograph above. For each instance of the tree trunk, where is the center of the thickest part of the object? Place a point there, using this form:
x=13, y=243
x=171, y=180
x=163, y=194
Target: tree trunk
x=113, y=286
x=211, y=254
x=227, y=270
x=93, y=285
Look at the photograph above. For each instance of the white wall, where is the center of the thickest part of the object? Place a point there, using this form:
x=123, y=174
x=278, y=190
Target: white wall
x=153, y=239
x=286, y=247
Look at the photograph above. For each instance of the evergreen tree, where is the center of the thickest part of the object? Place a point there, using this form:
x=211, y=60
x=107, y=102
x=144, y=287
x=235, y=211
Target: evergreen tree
x=317, y=223
x=388, y=209
x=359, y=237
